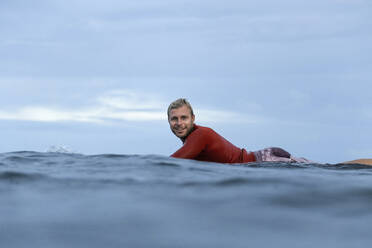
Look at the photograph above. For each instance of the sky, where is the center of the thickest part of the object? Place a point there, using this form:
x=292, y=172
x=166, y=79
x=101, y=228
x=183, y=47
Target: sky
x=97, y=76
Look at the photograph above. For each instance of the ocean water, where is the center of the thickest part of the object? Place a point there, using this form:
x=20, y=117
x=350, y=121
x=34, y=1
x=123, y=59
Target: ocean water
x=73, y=200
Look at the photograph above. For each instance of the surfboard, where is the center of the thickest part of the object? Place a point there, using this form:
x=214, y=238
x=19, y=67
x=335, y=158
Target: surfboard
x=366, y=161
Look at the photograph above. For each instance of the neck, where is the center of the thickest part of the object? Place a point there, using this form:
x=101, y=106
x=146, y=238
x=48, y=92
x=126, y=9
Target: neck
x=184, y=138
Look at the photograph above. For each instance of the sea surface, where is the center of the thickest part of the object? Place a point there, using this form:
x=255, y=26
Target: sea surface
x=71, y=200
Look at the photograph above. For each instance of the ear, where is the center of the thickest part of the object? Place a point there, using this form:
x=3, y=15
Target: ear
x=193, y=118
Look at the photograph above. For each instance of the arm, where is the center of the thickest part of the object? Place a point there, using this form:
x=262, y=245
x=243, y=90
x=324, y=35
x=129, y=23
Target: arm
x=192, y=147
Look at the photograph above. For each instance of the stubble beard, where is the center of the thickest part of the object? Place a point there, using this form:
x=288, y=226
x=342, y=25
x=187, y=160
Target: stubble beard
x=188, y=131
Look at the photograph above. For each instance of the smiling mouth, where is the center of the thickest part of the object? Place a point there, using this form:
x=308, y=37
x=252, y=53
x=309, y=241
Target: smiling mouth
x=180, y=131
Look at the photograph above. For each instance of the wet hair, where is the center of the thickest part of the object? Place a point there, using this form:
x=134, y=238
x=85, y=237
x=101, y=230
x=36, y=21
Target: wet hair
x=178, y=104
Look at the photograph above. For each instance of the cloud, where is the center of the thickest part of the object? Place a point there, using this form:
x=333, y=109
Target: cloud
x=129, y=100
x=114, y=106
x=50, y=114
x=97, y=115
x=215, y=116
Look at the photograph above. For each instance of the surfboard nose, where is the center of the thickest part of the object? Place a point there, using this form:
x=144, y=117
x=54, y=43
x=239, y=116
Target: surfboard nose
x=366, y=161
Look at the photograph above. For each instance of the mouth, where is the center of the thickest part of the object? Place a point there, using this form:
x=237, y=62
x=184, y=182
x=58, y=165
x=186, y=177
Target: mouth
x=180, y=131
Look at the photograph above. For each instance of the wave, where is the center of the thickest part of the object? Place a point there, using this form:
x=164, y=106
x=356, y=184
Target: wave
x=60, y=149
x=27, y=157
x=14, y=176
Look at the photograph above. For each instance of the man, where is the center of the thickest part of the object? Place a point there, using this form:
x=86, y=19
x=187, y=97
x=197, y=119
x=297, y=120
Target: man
x=204, y=144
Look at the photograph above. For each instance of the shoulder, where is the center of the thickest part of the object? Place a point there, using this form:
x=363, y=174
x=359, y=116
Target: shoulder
x=203, y=131
x=197, y=136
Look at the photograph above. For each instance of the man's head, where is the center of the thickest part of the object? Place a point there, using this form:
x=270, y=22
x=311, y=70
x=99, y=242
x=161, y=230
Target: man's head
x=181, y=118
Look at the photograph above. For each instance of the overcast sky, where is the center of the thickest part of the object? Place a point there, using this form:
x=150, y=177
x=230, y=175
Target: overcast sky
x=97, y=76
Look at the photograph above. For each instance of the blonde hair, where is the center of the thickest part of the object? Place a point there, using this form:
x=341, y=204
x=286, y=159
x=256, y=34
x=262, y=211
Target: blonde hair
x=179, y=103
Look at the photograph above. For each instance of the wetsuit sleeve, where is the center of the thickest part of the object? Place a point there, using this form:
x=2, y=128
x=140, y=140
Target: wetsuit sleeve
x=192, y=147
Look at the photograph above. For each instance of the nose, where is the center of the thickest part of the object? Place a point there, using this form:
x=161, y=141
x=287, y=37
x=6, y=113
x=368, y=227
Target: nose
x=178, y=122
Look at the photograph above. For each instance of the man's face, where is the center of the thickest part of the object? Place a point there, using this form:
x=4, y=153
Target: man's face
x=181, y=121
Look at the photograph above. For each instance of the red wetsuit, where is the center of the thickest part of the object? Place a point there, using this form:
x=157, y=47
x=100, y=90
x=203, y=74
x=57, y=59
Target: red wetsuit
x=204, y=144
